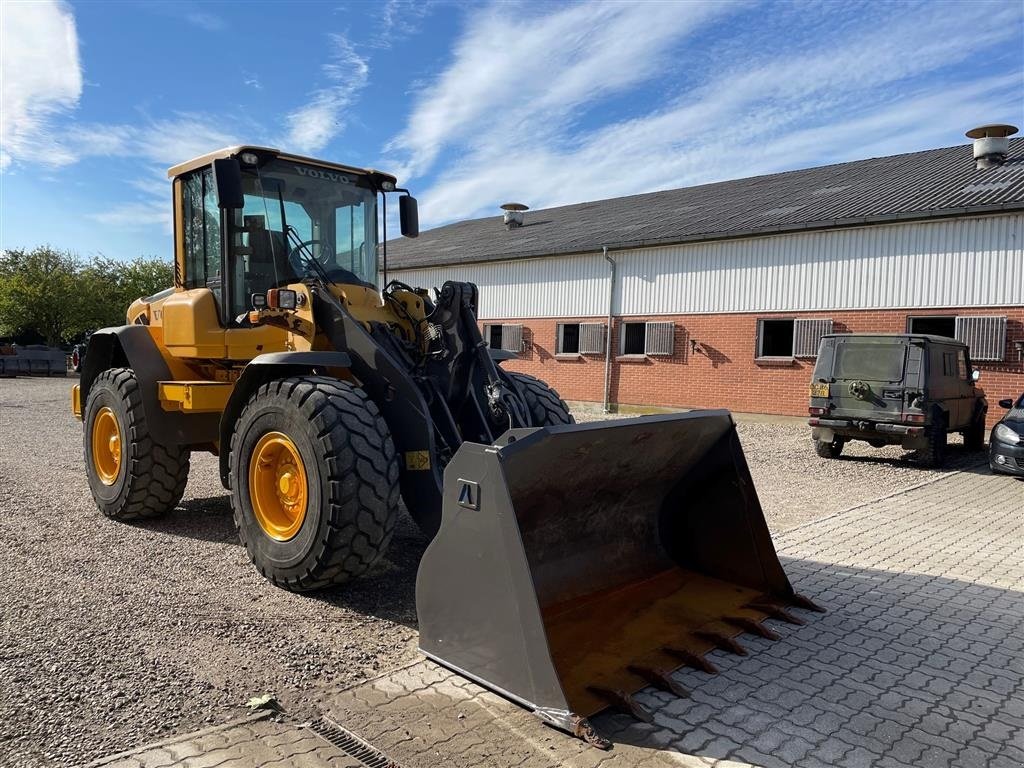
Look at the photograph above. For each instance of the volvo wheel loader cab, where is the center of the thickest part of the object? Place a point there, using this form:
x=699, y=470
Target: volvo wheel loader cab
x=570, y=564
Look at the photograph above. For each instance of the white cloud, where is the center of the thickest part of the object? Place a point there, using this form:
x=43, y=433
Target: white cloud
x=40, y=78
x=311, y=127
x=137, y=216
x=510, y=105
x=518, y=74
x=204, y=20
x=661, y=152
x=399, y=19
x=162, y=142
x=158, y=144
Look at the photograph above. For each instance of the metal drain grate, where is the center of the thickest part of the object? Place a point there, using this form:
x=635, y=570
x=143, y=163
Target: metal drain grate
x=352, y=745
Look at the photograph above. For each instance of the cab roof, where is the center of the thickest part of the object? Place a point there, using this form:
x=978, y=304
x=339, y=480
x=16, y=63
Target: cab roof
x=931, y=338
x=209, y=157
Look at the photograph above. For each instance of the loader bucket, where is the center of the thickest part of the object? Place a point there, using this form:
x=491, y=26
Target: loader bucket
x=578, y=564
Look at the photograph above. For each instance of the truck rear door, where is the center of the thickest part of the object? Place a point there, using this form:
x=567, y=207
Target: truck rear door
x=868, y=378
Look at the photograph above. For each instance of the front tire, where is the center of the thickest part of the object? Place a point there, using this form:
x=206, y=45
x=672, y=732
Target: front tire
x=314, y=482
x=131, y=475
x=545, y=406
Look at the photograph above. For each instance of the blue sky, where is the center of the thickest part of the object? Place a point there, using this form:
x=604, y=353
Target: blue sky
x=474, y=104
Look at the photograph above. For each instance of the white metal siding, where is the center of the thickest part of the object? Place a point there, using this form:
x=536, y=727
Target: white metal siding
x=570, y=286
x=974, y=261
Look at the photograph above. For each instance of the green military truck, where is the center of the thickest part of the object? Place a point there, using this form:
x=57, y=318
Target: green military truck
x=895, y=389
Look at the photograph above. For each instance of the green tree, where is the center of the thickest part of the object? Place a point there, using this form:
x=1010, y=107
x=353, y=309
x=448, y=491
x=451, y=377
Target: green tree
x=143, y=276
x=110, y=286
x=61, y=297
x=39, y=291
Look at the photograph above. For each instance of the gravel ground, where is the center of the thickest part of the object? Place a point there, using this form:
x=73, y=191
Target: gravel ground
x=115, y=634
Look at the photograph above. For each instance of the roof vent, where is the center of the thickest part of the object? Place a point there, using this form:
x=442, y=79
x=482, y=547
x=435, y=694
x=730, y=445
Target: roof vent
x=514, y=214
x=991, y=143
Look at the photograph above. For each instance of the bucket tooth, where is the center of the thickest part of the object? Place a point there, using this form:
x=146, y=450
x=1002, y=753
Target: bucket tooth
x=622, y=702
x=776, y=612
x=752, y=626
x=571, y=570
x=582, y=729
x=722, y=642
x=805, y=602
x=660, y=679
x=691, y=659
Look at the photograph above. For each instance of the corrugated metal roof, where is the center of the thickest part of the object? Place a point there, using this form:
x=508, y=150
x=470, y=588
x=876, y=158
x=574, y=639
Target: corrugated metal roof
x=935, y=182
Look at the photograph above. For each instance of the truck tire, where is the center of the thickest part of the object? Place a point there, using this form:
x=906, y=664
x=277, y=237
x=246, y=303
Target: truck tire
x=314, y=482
x=974, y=436
x=934, y=453
x=131, y=476
x=829, y=450
x=546, y=407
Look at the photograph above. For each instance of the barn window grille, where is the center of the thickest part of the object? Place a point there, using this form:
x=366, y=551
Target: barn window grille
x=658, y=338
x=591, y=338
x=807, y=336
x=791, y=337
x=984, y=335
x=647, y=338
x=504, y=336
x=580, y=338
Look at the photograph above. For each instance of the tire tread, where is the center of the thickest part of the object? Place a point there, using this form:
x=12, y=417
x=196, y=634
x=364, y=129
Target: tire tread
x=353, y=440
x=546, y=407
x=158, y=473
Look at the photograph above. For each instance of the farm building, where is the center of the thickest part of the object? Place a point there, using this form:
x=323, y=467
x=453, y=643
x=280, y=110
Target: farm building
x=716, y=295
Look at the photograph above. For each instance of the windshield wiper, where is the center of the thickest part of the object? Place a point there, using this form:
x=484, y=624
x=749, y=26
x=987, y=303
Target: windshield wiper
x=305, y=256
x=311, y=264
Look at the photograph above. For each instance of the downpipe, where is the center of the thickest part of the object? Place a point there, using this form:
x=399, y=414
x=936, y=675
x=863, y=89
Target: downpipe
x=608, y=332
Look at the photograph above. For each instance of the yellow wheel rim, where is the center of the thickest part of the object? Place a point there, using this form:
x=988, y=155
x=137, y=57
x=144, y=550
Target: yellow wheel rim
x=277, y=486
x=106, y=445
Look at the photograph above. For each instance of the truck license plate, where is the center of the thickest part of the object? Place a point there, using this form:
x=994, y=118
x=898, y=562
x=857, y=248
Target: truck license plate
x=818, y=389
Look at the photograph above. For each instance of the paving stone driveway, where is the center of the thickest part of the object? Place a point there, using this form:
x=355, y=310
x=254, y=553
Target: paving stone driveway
x=919, y=662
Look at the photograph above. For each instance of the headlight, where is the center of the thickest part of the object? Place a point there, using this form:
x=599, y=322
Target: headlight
x=1006, y=435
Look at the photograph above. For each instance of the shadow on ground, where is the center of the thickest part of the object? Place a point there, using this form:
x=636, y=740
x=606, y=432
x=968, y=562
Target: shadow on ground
x=208, y=519
x=957, y=457
x=387, y=591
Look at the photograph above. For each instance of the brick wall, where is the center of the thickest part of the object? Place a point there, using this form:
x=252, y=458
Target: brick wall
x=722, y=372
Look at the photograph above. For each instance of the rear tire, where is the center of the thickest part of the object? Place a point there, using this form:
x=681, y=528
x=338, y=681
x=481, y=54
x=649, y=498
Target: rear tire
x=974, y=437
x=545, y=406
x=829, y=450
x=145, y=479
x=934, y=453
x=349, y=482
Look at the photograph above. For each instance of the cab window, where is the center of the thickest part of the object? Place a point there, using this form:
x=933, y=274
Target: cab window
x=298, y=220
x=949, y=364
x=201, y=231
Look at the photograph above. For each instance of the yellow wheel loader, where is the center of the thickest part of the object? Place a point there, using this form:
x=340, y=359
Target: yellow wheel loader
x=570, y=565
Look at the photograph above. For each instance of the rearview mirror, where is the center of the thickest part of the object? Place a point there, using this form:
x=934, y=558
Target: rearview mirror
x=1007, y=403
x=975, y=375
x=227, y=183
x=409, y=216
